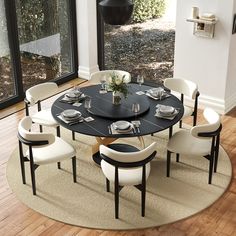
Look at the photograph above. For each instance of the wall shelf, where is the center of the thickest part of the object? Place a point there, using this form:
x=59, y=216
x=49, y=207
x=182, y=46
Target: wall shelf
x=203, y=28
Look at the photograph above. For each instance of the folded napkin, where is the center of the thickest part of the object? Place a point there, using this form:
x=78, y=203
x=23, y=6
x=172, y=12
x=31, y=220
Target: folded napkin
x=66, y=99
x=164, y=95
x=115, y=131
x=70, y=122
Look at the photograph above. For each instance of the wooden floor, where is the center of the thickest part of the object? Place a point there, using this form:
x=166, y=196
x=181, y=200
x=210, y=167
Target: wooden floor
x=17, y=219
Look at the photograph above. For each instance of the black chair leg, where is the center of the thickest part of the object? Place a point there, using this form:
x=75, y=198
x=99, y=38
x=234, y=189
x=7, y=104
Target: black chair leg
x=58, y=131
x=73, y=135
x=116, y=201
x=194, y=119
x=59, y=165
x=40, y=128
x=143, y=190
x=168, y=163
x=143, y=201
x=210, y=169
x=107, y=185
x=116, y=193
x=74, y=168
x=177, y=157
x=22, y=163
x=32, y=171
x=217, y=152
x=170, y=131
x=180, y=124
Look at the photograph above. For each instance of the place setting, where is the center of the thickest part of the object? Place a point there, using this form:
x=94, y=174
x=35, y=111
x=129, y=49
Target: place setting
x=71, y=116
x=166, y=112
x=74, y=96
x=158, y=93
x=121, y=127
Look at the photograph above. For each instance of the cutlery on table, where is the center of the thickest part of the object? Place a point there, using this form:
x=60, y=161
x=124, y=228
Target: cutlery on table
x=109, y=129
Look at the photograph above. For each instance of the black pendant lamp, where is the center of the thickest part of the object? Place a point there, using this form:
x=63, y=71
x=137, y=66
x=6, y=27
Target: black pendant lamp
x=116, y=12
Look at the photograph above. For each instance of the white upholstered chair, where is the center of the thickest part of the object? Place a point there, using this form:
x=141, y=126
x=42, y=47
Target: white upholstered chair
x=124, y=165
x=95, y=77
x=201, y=140
x=43, y=117
x=43, y=148
x=35, y=95
x=185, y=88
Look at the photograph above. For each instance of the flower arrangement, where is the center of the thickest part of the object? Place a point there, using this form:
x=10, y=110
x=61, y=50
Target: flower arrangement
x=118, y=83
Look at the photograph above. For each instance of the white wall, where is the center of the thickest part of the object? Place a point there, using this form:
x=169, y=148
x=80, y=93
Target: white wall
x=87, y=37
x=204, y=60
x=230, y=94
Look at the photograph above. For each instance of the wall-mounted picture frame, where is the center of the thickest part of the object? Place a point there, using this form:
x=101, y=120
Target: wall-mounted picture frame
x=234, y=24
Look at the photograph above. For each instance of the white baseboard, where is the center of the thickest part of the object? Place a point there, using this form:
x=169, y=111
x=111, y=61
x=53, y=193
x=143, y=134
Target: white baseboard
x=230, y=102
x=85, y=72
x=215, y=103
x=219, y=105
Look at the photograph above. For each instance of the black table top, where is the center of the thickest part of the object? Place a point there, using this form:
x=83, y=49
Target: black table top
x=102, y=105
x=99, y=126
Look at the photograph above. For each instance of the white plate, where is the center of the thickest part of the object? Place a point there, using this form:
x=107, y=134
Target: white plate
x=71, y=113
x=156, y=92
x=167, y=110
x=73, y=95
x=122, y=125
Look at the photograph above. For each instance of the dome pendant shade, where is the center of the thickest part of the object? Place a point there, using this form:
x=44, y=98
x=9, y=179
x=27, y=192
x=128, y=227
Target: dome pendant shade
x=116, y=12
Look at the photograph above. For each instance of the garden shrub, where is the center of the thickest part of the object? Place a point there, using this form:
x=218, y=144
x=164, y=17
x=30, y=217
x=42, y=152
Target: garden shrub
x=147, y=9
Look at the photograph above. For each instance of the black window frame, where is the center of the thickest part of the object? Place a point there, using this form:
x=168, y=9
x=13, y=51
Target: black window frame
x=12, y=29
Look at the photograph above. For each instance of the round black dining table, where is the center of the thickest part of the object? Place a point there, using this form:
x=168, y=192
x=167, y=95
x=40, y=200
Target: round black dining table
x=105, y=113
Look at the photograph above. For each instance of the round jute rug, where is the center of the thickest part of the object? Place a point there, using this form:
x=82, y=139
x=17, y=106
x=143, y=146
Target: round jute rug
x=87, y=203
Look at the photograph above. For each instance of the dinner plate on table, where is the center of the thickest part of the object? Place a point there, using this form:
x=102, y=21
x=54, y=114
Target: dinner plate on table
x=71, y=114
x=156, y=92
x=122, y=126
x=166, y=110
x=73, y=95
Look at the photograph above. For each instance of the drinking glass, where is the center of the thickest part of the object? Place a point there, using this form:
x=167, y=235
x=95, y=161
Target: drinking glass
x=140, y=80
x=135, y=108
x=87, y=103
x=103, y=81
x=76, y=90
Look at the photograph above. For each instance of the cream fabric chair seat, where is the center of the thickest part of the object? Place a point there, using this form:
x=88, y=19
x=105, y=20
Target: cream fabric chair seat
x=35, y=95
x=129, y=167
x=95, y=77
x=43, y=148
x=45, y=118
x=59, y=150
x=185, y=88
x=201, y=140
x=127, y=176
x=183, y=142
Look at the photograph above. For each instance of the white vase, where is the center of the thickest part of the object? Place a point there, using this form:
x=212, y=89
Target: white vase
x=116, y=98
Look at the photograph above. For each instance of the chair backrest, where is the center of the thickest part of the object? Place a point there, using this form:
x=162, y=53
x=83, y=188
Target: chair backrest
x=28, y=137
x=95, y=77
x=182, y=86
x=40, y=92
x=213, y=125
x=128, y=157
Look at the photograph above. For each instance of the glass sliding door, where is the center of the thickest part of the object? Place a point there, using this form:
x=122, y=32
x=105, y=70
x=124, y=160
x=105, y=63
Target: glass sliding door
x=7, y=81
x=45, y=39
x=144, y=46
x=37, y=44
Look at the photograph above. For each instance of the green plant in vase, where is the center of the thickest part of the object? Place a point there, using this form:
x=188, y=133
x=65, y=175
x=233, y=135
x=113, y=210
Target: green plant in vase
x=118, y=85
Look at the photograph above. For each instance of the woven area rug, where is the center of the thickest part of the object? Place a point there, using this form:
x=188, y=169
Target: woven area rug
x=87, y=203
